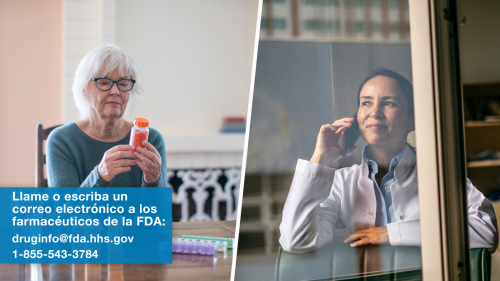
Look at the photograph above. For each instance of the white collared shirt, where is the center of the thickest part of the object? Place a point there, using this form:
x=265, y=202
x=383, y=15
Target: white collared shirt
x=326, y=205
x=385, y=211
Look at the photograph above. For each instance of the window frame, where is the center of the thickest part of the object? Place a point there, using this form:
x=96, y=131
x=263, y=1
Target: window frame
x=440, y=140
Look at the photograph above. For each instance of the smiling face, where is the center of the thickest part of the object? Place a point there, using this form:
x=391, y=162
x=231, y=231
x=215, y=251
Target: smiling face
x=111, y=103
x=383, y=114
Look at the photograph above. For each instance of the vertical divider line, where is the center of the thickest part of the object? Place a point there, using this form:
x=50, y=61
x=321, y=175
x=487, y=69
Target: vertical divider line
x=245, y=149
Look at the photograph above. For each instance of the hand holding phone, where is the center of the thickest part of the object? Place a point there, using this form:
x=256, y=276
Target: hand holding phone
x=350, y=136
x=328, y=148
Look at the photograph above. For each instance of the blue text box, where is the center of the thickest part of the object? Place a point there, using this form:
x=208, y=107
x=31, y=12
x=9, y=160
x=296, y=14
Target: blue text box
x=86, y=225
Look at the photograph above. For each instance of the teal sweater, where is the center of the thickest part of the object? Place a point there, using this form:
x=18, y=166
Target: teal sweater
x=73, y=157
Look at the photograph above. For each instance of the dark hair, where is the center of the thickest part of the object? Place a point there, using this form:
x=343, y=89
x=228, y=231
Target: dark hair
x=402, y=82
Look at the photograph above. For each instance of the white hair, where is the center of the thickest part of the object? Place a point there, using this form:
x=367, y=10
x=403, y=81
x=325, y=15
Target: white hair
x=103, y=61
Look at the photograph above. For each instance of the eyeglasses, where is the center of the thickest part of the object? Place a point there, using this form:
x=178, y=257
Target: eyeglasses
x=105, y=84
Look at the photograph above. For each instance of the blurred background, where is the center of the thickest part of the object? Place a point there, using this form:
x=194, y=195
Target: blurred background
x=196, y=59
x=312, y=57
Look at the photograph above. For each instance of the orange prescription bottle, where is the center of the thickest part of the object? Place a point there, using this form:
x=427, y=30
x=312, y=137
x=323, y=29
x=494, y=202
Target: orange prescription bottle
x=139, y=132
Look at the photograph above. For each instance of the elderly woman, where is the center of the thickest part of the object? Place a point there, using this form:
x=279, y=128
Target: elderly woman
x=375, y=202
x=95, y=151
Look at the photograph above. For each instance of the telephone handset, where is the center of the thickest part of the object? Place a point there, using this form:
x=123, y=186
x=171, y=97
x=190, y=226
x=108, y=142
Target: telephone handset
x=350, y=136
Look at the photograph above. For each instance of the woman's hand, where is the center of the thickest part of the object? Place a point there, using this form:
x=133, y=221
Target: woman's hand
x=327, y=145
x=365, y=236
x=115, y=161
x=149, y=160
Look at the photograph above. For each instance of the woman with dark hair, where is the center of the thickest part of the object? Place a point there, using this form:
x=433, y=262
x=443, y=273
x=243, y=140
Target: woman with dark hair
x=375, y=202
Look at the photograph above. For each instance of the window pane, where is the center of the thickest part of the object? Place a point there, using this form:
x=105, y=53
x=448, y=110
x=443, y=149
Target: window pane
x=333, y=59
x=480, y=67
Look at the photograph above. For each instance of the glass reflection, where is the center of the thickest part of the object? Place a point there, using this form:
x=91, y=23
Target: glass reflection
x=343, y=202
x=372, y=203
x=360, y=212
x=342, y=68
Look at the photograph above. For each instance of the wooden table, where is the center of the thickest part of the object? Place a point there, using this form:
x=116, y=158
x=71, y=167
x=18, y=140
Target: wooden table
x=183, y=267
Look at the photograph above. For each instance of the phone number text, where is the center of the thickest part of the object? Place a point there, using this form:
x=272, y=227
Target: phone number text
x=59, y=254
